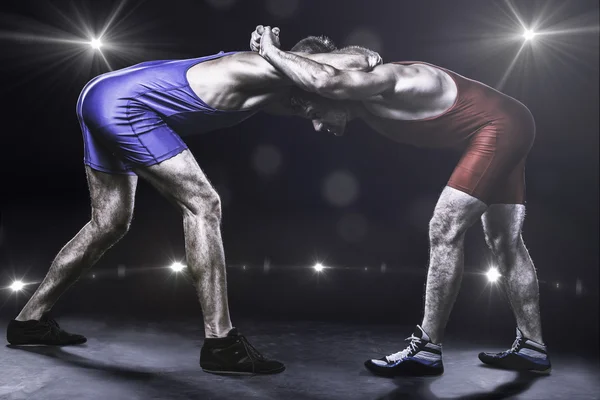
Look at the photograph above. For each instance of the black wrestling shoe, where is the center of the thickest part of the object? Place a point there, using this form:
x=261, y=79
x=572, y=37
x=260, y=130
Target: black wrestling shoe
x=234, y=355
x=420, y=358
x=525, y=355
x=45, y=331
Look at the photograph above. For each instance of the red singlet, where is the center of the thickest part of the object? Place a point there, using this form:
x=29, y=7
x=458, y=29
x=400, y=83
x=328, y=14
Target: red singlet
x=494, y=130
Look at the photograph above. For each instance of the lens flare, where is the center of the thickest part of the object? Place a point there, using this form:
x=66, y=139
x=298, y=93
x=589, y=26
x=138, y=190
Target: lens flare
x=177, y=267
x=493, y=275
x=319, y=267
x=529, y=34
x=96, y=44
x=17, y=286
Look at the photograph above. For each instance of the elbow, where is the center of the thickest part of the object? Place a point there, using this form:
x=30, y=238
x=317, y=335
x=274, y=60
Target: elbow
x=327, y=85
x=322, y=81
x=359, y=63
x=321, y=84
x=367, y=64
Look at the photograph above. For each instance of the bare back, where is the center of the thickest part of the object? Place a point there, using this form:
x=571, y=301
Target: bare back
x=239, y=81
x=245, y=80
x=425, y=93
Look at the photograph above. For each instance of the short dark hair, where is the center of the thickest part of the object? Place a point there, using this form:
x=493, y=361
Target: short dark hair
x=354, y=50
x=314, y=44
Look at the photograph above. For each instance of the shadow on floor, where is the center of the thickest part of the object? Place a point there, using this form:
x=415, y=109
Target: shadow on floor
x=158, y=385
x=418, y=388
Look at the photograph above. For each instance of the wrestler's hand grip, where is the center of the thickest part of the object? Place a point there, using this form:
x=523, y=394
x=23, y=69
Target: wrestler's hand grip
x=256, y=37
x=374, y=60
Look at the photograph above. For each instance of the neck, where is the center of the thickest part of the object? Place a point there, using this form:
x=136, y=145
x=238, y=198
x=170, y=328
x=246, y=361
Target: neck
x=355, y=109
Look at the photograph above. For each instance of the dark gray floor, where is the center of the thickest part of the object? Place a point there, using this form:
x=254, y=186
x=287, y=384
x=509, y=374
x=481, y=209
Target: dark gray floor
x=150, y=360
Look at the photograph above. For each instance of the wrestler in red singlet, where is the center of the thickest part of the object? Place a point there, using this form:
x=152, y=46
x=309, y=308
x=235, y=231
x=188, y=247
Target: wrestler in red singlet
x=429, y=106
x=495, y=131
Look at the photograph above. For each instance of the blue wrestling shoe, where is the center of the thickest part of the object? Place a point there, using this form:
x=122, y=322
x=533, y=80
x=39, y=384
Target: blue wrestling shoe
x=525, y=355
x=420, y=358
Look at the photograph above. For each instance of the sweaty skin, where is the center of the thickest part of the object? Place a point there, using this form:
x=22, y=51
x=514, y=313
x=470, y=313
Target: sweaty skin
x=390, y=91
x=239, y=81
x=246, y=81
x=387, y=98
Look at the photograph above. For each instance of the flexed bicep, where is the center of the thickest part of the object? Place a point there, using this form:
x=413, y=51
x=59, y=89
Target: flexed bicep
x=358, y=85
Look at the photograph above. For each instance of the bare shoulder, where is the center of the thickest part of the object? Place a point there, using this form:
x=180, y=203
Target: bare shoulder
x=250, y=69
x=415, y=69
x=417, y=77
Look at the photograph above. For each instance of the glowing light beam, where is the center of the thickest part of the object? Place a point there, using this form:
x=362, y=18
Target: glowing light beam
x=17, y=286
x=319, y=267
x=500, y=84
x=177, y=266
x=493, y=275
x=529, y=34
x=512, y=8
x=96, y=43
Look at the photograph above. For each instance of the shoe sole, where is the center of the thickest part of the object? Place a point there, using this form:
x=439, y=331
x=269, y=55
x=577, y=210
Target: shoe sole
x=391, y=373
x=234, y=373
x=546, y=371
x=399, y=375
x=20, y=344
x=542, y=372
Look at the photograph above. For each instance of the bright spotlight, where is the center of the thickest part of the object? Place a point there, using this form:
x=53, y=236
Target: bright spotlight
x=96, y=44
x=17, y=286
x=493, y=274
x=177, y=267
x=529, y=34
x=319, y=267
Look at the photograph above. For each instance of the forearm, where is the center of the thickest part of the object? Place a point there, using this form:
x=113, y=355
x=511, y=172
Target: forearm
x=303, y=72
x=347, y=62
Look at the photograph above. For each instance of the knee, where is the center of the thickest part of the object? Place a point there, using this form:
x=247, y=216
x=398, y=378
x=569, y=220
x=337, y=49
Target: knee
x=503, y=243
x=206, y=205
x=443, y=230
x=112, y=225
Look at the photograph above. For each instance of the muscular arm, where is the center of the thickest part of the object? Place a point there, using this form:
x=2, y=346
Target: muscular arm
x=252, y=70
x=329, y=81
x=347, y=62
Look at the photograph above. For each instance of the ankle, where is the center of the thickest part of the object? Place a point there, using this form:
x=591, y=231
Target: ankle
x=534, y=337
x=35, y=315
x=434, y=336
x=217, y=333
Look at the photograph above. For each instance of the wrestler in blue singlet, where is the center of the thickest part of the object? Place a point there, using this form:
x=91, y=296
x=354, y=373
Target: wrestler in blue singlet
x=134, y=117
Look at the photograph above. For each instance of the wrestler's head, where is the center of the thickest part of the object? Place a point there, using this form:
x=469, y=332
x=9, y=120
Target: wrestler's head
x=326, y=114
x=322, y=44
x=314, y=44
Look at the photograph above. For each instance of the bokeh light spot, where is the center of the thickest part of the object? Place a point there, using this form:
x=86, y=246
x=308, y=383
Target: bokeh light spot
x=282, y=8
x=340, y=188
x=266, y=160
x=365, y=37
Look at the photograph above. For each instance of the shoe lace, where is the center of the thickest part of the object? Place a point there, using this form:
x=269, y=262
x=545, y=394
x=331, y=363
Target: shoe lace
x=412, y=347
x=54, y=327
x=516, y=345
x=252, y=352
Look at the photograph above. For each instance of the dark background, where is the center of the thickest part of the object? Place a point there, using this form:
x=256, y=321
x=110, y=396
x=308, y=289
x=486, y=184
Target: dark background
x=282, y=219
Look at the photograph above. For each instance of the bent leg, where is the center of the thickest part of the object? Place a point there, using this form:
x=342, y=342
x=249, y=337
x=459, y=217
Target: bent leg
x=112, y=200
x=182, y=181
x=454, y=213
x=502, y=225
